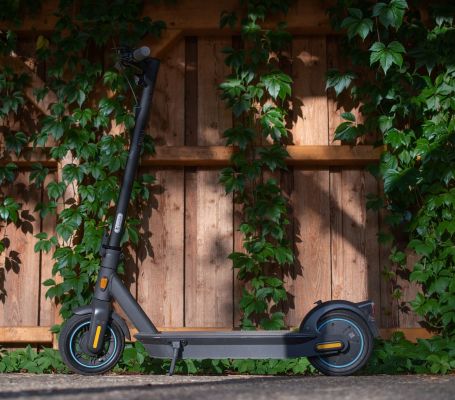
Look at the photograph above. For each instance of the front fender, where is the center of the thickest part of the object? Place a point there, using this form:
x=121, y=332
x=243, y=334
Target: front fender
x=117, y=318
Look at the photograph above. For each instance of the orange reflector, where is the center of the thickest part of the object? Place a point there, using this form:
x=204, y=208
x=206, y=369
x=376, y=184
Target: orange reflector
x=97, y=336
x=329, y=346
x=103, y=282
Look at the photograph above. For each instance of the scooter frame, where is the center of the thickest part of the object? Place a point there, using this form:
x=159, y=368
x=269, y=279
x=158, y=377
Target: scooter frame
x=232, y=344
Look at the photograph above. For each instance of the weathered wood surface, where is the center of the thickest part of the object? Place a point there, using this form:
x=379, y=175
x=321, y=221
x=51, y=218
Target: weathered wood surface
x=310, y=197
x=219, y=156
x=355, y=248
x=179, y=272
x=198, y=17
x=160, y=282
x=20, y=274
x=208, y=271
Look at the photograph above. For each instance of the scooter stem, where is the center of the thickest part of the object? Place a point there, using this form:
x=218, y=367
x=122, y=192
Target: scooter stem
x=150, y=67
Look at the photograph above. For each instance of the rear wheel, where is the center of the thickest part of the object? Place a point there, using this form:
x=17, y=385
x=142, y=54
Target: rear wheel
x=73, y=346
x=358, y=349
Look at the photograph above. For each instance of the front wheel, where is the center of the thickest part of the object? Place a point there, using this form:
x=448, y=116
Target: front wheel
x=72, y=346
x=358, y=349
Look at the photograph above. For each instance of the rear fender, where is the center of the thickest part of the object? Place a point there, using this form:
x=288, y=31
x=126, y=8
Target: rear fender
x=117, y=318
x=363, y=309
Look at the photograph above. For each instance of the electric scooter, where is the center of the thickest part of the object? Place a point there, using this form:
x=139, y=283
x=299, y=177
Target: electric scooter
x=336, y=336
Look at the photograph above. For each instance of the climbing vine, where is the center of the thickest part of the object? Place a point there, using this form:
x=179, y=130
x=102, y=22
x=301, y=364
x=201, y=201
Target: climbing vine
x=91, y=97
x=257, y=92
x=403, y=77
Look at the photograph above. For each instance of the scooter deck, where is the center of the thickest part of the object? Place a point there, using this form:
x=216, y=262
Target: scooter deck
x=230, y=344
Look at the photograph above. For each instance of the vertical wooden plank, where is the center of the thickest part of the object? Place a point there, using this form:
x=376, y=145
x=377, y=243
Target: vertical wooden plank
x=191, y=139
x=48, y=223
x=388, y=309
x=21, y=270
x=355, y=251
x=407, y=317
x=238, y=237
x=349, y=273
x=344, y=102
x=354, y=245
x=312, y=242
x=160, y=256
x=310, y=197
x=309, y=99
x=335, y=108
x=213, y=115
x=208, y=271
x=160, y=283
x=372, y=244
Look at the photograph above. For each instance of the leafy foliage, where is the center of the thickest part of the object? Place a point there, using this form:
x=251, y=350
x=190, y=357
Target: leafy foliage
x=136, y=360
x=29, y=360
x=404, y=81
x=399, y=356
x=257, y=91
x=80, y=126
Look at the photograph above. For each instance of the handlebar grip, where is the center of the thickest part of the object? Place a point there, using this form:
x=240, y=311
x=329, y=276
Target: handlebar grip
x=141, y=53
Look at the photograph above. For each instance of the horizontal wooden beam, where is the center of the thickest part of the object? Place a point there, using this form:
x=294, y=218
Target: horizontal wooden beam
x=412, y=334
x=219, y=156
x=26, y=334
x=198, y=16
x=43, y=335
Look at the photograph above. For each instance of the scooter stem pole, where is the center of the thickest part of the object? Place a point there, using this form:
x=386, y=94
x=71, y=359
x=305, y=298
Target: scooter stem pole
x=151, y=66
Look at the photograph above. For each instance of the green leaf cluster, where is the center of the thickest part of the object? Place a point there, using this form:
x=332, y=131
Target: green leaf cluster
x=400, y=356
x=403, y=81
x=257, y=92
x=90, y=96
x=29, y=360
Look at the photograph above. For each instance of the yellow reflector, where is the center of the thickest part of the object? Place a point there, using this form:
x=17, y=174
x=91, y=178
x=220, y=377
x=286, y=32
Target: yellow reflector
x=329, y=346
x=97, y=336
x=103, y=282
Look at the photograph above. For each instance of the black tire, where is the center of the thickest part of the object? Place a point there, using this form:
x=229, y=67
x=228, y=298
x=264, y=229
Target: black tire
x=358, y=351
x=71, y=345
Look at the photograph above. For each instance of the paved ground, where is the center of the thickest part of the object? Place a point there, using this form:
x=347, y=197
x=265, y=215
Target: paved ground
x=380, y=387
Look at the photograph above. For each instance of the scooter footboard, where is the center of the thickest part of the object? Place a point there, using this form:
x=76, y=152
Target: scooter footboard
x=235, y=344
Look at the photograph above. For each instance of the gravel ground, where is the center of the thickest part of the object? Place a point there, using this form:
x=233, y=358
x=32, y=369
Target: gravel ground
x=234, y=387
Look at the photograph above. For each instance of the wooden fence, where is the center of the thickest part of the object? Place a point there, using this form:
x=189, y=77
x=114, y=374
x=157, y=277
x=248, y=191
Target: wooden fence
x=180, y=272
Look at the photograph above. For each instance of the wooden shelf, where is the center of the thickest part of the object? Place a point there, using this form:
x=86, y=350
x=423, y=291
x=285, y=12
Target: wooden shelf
x=186, y=15
x=218, y=156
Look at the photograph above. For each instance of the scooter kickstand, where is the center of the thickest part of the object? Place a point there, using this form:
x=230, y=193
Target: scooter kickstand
x=176, y=346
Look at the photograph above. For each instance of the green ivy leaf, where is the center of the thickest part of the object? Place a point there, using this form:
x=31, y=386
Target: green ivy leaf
x=338, y=81
x=9, y=209
x=356, y=24
x=55, y=190
x=72, y=172
x=390, y=14
x=387, y=55
x=346, y=131
x=278, y=84
x=8, y=172
x=16, y=141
